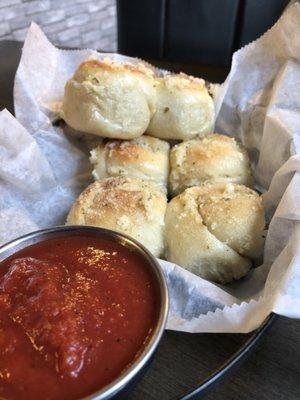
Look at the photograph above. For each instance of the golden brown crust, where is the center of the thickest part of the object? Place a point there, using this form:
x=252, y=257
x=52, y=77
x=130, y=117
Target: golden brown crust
x=223, y=147
x=133, y=150
x=109, y=195
x=182, y=81
x=213, y=158
x=145, y=158
x=127, y=205
x=94, y=66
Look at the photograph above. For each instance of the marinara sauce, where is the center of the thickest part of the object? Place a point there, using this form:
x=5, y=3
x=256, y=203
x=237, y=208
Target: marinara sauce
x=74, y=313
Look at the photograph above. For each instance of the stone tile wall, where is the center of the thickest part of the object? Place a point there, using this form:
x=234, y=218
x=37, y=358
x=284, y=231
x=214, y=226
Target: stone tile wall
x=69, y=23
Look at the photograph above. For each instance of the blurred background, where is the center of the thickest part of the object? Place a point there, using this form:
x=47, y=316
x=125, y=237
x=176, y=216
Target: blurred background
x=200, y=32
x=193, y=31
x=69, y=23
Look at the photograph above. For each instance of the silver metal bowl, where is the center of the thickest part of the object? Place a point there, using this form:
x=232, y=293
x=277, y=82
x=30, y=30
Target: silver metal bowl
x=131, y=374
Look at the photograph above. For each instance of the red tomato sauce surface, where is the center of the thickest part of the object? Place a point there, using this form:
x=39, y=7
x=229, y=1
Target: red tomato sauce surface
x=74, y=313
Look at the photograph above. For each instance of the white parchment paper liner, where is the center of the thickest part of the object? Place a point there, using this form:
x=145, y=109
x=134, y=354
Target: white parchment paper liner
x=42, y=169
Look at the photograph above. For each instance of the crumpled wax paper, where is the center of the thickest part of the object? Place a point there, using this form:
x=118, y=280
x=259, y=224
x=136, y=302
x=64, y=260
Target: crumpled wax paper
x=43, y=169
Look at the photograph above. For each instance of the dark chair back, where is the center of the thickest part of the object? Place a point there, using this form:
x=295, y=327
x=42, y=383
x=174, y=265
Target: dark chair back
x=195, y=31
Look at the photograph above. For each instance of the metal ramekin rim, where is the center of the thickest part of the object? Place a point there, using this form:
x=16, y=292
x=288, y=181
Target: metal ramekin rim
x=116, y=385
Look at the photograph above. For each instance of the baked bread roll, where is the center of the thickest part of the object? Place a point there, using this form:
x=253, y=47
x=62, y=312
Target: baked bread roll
x=110, y=99
x=131, y=206
x=145, y=158
x=215, y=230
x=184, y=108
x=213, y=158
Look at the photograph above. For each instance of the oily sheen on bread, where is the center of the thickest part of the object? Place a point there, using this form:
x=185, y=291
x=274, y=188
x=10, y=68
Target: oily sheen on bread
x=213, y=158
x=132, y=206
x=145, y=157
x=215, y=230
x=109, y=99
x=184, y=108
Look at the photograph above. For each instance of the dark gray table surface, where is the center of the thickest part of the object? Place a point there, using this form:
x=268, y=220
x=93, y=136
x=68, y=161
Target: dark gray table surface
x=182, y=360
